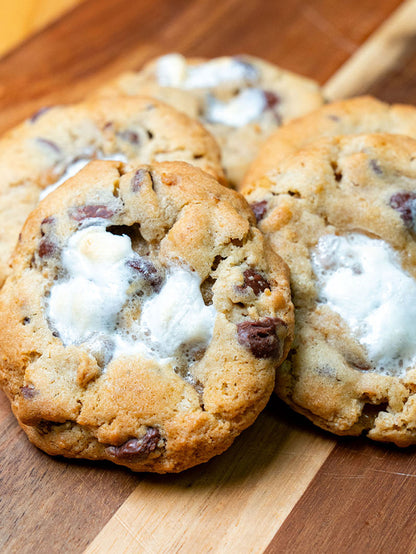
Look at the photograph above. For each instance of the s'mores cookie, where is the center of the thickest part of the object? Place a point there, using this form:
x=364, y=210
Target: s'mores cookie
x=240, y=99
x=143, y=319
x=56, y=142
x=363, y=114
x=342, y=213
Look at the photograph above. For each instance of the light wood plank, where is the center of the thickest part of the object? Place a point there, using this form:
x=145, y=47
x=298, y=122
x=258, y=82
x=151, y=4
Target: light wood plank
x=20, y=18
x=235, y=503
x=379, y=54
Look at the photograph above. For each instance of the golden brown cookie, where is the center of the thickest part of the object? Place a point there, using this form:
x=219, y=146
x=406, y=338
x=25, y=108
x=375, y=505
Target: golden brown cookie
x=342, y=213
x=363, y=114
x=240, y=99
x=56, y=142
x=143, y=318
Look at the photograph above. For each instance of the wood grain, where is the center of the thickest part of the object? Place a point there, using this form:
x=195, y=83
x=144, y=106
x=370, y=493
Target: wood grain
x=233, y=504
x=387, y=49
x=21, y=18
x=100, y=38
x=362, y=500
x=48, y=503
x=261, y=486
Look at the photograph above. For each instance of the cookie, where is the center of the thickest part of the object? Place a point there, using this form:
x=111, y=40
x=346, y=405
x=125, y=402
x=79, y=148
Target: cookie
x=342, y=213
x=56, y=142
x=240, y=99
x=363, y=114
x=143, y=318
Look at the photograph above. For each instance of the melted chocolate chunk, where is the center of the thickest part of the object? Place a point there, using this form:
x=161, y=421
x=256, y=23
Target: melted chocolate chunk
x=375, y=166
x=86, y=212
x=272, y=99
x=147, y=270
x=46, y=248
x=137, y=447
x=139, y=179
x=261, y=337
x=253, y=280
x=39, y=113
x=129, y=136
x=405, y=203
x=28, y=392
x=52, y=145
x=48, y=220
x=259, y=209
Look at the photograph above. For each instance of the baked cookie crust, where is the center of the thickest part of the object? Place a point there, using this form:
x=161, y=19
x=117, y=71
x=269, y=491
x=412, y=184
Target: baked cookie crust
x=143, y=319
x=56, y=142
x=239, y=99
x=341, y=213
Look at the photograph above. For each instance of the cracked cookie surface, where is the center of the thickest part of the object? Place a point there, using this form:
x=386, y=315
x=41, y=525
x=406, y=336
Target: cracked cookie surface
x=240, y=99
x=363, y=114
x=143, y=318
x=57, y=142
x=342, y=213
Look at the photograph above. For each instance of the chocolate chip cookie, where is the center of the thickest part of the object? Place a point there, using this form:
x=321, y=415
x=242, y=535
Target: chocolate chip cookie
x=240, y=99
x=342, y=213
x=56, y=142
x=363, y=114
x=143, y=318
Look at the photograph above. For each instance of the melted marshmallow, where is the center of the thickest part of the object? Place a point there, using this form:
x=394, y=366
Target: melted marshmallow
x=361, y=279
x=178, y=315
x=84, y=308
x=89, y=301
x=172, y=71
x=73, y=168
x=244, y=108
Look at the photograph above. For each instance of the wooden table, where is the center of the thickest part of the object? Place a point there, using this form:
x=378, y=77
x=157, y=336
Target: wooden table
x=284, y=486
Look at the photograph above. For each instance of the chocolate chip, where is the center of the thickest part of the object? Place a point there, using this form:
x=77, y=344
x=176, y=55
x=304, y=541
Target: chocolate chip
x=261, y=337
x=253, y=280
x=137, y=447
x=129, y=136
x=40, y=112
x=46, y=248
x=375, y=166
x=405, y=203
x=28, y=392
x=26, y=320
x=139, y=178
x=52, y=145
x=147, y=270
x=44, y=427
x=45, y=224
x=259, y=209
x=48, y=220
x=149, y=134
x=86, y=212
x=272, y=99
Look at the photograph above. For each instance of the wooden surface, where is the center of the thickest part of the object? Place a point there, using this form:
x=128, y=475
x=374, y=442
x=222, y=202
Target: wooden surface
x=20, y=18
x=284, y=486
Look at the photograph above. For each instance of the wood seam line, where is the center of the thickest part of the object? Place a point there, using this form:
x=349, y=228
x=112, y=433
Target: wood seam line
x=379, y=54
x=228, y=509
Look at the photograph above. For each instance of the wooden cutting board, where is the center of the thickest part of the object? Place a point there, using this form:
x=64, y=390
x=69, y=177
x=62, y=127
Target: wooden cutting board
x=284, y=486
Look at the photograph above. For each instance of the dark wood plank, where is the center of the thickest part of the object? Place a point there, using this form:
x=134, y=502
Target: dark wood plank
x=100, y=38
x=362, y=500
x=50, y=505
x=399, y=84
